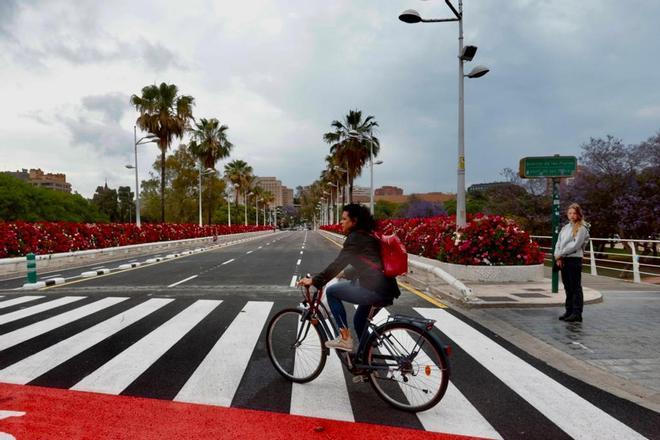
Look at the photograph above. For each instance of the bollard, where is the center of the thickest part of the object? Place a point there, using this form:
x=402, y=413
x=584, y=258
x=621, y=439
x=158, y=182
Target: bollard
x=31, y=268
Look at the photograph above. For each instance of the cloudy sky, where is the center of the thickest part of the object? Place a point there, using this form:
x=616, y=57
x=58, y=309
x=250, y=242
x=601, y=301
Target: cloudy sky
x=278, y=72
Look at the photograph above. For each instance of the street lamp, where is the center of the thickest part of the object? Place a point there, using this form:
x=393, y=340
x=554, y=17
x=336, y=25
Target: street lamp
x=464, y=54
x=206, y=172
x=343, y=170
x=236, y=186
x=360, y=137
x=334, y=205
x=245, y=205
x=151, y=138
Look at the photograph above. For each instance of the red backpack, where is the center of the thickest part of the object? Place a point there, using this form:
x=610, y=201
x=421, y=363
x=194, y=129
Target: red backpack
x=393, y=254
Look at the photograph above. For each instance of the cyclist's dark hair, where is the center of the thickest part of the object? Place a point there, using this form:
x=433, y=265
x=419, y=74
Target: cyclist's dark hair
x=361, y=215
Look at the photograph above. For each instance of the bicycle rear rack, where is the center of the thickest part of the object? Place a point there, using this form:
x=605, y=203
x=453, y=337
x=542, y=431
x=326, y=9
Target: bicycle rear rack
x=420, y=322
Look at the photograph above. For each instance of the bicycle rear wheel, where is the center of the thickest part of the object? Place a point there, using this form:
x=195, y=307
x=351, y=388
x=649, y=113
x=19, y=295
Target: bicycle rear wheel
x=295, y=346
x=409, y=369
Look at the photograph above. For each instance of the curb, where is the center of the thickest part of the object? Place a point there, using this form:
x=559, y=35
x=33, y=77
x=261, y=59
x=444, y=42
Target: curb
x=42, y=284
x=128, y=266
x=93, y=273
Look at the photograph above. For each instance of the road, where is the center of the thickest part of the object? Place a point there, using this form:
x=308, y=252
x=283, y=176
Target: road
x=191, y=330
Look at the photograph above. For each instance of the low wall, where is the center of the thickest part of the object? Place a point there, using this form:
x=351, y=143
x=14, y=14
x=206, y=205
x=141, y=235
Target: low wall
x=493, y=274
x=17, y=266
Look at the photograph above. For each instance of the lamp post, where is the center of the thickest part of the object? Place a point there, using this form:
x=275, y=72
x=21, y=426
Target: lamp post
x=144, y=140
x=206, y=172
x=334, y=205
x=360, y=137
x=464, y=54
x=236, y=186
x=343, y=170
x=245, y=205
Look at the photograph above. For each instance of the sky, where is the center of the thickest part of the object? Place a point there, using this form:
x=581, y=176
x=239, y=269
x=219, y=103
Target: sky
x=279, y=72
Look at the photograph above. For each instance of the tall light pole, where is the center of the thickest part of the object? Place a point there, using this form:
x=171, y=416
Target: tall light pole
x=333, y=214
x=206, y=172
x=343, y=170
x=361, y=138
x=236, y=186
x=464, y=54
x=245, y=205
x=144, y=140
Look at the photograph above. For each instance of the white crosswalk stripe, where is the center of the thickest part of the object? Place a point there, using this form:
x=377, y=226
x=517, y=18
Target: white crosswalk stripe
x=25, y=333
x=34, y=366
x=18, y=314
x=20, y=300
x=573, y=414
x=118, y=373
x=216, y=379
x=218, y=373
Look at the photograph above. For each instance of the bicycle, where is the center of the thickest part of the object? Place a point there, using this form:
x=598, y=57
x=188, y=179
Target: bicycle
x=405, y=363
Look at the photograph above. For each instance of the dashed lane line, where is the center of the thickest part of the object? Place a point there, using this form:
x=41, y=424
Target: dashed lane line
x=227, y=262
x=183, y=281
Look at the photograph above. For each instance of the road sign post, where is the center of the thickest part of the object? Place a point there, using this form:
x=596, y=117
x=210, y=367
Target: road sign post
x=555, y=230
x=553, y=167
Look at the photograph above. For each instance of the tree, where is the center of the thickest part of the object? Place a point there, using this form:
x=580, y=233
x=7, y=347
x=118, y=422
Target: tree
x=126, y=205
x=164, y=114
x=20, y=200
x=421, y=208
x=350, y=152
x=238, y=172
x=210, y=144
x=384, y=209
x=106, y=202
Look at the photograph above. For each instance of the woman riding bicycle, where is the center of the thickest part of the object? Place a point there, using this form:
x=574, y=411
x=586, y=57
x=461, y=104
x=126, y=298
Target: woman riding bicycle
x=360, y=263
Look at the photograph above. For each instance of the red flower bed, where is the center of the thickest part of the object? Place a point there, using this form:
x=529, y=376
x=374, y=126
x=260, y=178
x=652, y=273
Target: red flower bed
x=485, y=240
x=20, y=238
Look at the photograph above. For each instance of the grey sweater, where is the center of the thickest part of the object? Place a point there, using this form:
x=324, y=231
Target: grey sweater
x=569, y=246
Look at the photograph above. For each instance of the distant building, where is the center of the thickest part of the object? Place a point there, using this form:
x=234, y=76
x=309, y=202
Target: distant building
x=438, y=197
x=36, y=177
x=486, y=186
x=272, y=185
x=389, y=191
x=287, y=196
x=361, y=194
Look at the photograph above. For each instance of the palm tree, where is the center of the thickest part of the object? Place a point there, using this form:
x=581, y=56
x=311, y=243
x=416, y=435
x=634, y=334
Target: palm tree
x=239, y=172
x=352, y=153
x=164, y=114
x=267, y=198
x=210, y=144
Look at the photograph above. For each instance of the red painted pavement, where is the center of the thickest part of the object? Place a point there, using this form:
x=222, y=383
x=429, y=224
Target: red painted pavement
x=63, y=414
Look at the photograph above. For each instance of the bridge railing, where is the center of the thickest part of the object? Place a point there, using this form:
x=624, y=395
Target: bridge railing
x=614, y=257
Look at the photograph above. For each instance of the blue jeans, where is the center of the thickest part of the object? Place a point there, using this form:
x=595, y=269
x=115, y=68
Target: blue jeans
x=352, y=293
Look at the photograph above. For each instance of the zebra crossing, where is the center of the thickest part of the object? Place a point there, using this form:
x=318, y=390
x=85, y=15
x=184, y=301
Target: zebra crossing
x=131, y=346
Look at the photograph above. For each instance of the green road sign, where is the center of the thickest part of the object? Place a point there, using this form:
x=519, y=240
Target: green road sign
x=547, y=166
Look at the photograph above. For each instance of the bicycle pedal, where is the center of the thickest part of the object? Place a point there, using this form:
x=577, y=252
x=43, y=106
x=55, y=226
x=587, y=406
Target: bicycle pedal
x=360, y=379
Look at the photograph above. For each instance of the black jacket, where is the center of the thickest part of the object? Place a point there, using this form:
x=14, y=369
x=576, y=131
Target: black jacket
x=362, y=252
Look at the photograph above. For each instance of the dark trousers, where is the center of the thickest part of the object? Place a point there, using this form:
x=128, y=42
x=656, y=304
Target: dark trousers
x=571, y=276
x=352, y=293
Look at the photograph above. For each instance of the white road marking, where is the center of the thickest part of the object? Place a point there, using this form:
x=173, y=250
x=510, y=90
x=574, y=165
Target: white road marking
x=293, y=281
x=216, y=379
x=298, y=263
x=249, y=252
x=132, y=261
x=574, y=415
x=119, y=372
x=183, y=281
x=454, y=413
x=260, y=247
x=97, y=267
x=52, y=276
x=301, y=252
x=24, y=333
x=227, y=262
x=39, y=363
x=326, y=396
x=18, y=314
x=19, y=300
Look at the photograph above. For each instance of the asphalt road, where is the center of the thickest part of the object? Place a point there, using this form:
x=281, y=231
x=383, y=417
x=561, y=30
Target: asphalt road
x=199, y=338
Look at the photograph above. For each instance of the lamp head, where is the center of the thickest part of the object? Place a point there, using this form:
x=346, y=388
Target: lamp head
x=478, y=72
x=410, y=16
x=468, y=53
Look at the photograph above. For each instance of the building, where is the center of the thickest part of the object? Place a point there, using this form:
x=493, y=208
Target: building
x=486, y=186
x=287, y=196
x=361, y=194
x=36, y=177
x=389, y=191
x=437, y=197
x=272, y=185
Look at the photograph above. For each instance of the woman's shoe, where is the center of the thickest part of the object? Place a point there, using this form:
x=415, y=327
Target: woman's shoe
x=573, y=318
x=340, y=344
x=564, y=316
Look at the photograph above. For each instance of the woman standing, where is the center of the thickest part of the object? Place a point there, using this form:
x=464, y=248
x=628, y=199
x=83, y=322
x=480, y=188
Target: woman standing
x=568, y=255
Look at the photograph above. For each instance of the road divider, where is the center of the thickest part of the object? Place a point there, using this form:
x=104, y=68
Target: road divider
x=128, y=266
x=93, y=273
x=45, y=283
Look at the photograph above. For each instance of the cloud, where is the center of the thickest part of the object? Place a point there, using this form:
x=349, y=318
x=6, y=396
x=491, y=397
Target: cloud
x=112, y=106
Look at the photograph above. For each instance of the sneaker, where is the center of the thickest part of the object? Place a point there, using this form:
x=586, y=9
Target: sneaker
x=340, y=344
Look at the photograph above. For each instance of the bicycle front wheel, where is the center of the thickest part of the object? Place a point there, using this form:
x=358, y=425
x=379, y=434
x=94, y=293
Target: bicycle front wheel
x=409, y=369
x=295, y=346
